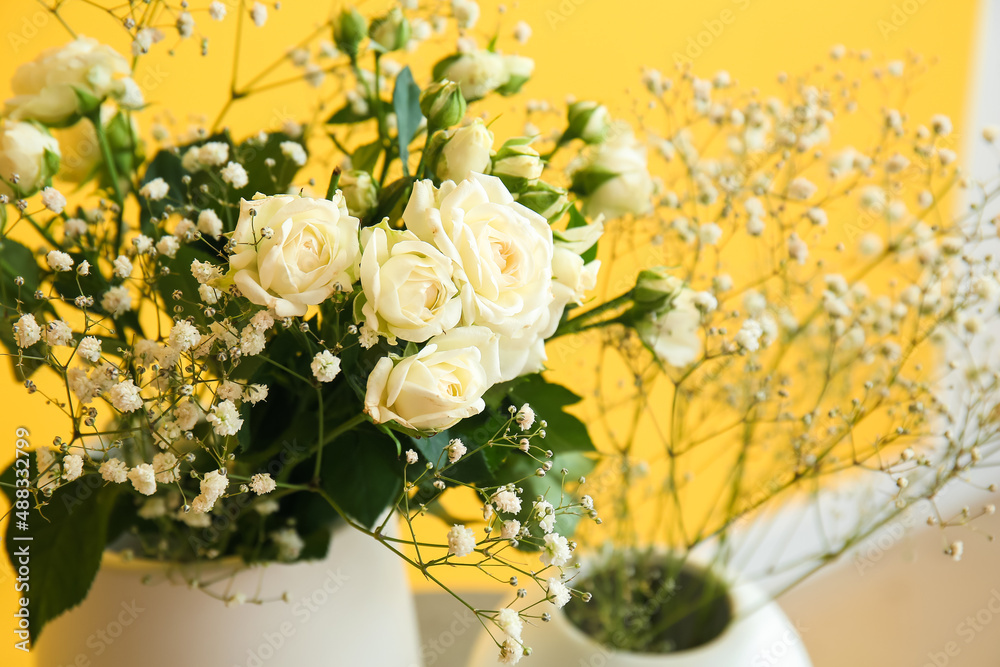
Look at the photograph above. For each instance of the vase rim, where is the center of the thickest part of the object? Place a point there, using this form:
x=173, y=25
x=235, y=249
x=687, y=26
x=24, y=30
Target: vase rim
x=741, y=597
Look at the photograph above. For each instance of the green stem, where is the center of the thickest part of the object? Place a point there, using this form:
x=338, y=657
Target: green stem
x=334, y=182
x=584, y=320
x=112, y=168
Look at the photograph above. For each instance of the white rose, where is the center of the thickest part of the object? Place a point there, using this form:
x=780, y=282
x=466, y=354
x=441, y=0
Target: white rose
x=503, y=250
x=466, y=151
x=478, y=73
x=518, y=67
x=628, y=190
x=674, y=336
x=45, y=90
x=438, y=386
x=313, y=250
x=572, y=278
x=408, y=286
x=31, y=153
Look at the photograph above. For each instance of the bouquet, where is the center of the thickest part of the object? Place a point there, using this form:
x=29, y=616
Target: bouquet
x=241, y=365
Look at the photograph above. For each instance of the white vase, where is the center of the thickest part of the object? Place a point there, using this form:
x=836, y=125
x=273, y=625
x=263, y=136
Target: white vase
x=759, y=636
x=353, y=608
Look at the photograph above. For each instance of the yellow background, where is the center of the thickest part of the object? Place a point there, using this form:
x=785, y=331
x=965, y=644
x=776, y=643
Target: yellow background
x=587, y=48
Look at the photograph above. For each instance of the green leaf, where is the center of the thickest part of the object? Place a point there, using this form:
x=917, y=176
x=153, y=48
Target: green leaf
x=586, y=181
x=565, y=433
x=362, y=473
x=87, y=103
x=513, y=85
x=68, y=540
x=365, y=157
x=392, y=200
x=406, y=103
x=17, y=261
x=441, y=67
x=577, y=219
x=348, y=115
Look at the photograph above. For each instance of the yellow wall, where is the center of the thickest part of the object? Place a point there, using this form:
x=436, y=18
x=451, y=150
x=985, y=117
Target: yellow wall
x=588, y=48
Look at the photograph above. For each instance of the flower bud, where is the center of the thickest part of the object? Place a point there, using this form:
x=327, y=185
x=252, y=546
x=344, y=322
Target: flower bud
x=466, y=150
x=392, y=31
x=349, y=30
x=546, y=200
x=442, y=104
x=28, y=152
x=655, y=290
x=587, y=121
x=517, y=164
x=360, y=192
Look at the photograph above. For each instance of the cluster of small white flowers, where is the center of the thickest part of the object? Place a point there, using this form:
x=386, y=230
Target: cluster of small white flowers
x=325, y=366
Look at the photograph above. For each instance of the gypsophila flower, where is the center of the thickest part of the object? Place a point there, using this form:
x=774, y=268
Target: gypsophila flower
x=234, y=174
x=184, y=336
x=252, y=341
x=509, y=621
x=26, y=331
x=209, y=223
x=209, y=294
x=165, y=466
x=122, y=266
x=74, y=227
x=525, y=417
x=153, y=508
x=522, y=32
x=225, y=418
x=125, y=396
x=229, y=391
x=510, y=652
x=266, y=507
x=259, y=14
x=506, y=501
x=558, y=593
x=461, y=541
x=289, y=543
x=262, y=321
x=411, y=456
x=155, y=189
x=143, y=478
x=217, y=10
x=801, y=188
x=546, y=515
x=293, y=151
x=59, y=261
x=255, y=393
x=143, y=244
x=367, y=337
x=204, y=272
x=456, y=450
x=748, y=337
x=58, y=333
x=53, y=200
x=72, y=467
x=325, y=366
x=510, y=529
x=555, y=551
x=466, y=13
x=90, y=349
x=262, y=483
x=114, y=470
x=83, y=268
